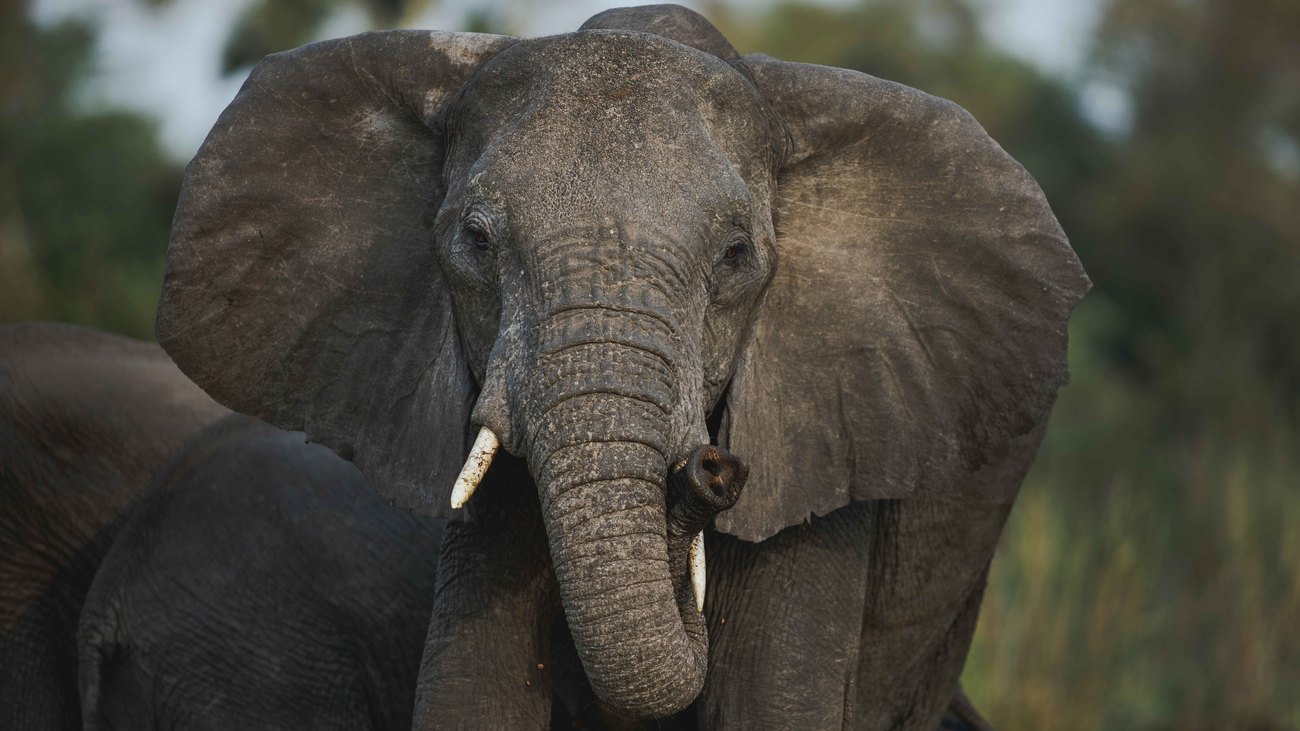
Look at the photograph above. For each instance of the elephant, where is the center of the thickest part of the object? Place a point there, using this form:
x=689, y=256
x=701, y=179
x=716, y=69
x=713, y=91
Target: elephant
x=801, y=321
x=86, y=420
x=260, y=585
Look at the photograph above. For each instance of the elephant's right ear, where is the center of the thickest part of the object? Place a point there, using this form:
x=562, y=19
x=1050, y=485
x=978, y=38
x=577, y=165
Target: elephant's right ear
x=302, y=284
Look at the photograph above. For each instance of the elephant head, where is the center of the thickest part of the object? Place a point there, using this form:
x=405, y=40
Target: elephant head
x=588, y=243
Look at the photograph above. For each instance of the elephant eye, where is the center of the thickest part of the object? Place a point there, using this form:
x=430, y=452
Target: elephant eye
x=735, y=251
x=478, y=234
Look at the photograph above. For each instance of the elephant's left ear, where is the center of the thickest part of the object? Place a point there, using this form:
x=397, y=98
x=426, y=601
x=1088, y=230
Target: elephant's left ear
x=916, y=325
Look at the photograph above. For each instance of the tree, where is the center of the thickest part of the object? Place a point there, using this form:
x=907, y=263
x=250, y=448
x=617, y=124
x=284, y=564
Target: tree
x=1203, y=234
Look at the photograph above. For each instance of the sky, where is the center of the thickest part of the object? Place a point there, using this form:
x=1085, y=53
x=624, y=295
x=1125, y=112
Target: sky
x=165, y=62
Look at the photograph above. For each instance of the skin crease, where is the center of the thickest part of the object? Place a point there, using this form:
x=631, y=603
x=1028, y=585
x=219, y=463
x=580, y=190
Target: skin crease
x=86, y=419
x=574, y=241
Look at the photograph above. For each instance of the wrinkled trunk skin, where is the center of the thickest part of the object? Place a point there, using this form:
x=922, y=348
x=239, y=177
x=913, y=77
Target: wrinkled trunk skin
x=599, y=453
x=709, y=482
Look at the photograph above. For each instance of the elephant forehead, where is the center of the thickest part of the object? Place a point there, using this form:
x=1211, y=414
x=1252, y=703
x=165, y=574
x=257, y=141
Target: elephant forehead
x=543, y=171
x=606, y=60
x=611, y=91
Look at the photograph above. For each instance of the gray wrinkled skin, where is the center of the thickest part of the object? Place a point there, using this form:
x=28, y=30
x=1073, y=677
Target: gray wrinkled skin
x=86, y=420
x=584, y=242
x=260, y=584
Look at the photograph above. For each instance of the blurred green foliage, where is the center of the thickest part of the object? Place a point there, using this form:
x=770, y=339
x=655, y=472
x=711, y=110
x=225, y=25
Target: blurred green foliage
x=1149, y=577
x=86, y=198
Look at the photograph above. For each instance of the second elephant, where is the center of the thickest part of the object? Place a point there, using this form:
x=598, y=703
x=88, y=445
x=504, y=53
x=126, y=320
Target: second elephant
x=260, y=585
x=86, y=421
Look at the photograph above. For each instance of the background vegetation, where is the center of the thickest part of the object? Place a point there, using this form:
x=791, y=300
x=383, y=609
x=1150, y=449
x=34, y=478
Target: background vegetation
x=1150, y=575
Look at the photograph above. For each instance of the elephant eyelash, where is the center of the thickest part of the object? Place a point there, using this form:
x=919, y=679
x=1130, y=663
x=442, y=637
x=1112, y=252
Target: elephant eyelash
x=478, y=233
x=735, y=271
x=736, y=252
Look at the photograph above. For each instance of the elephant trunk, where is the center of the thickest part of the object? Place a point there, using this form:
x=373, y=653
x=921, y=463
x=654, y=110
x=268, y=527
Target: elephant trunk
x=599, y=454
x=644, y=649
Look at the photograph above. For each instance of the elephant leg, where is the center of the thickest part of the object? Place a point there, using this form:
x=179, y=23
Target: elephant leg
x=38, y=647
x=784, y=620
x=859, y=619
x=487, y=654
x=928, y=567
x=925, y=584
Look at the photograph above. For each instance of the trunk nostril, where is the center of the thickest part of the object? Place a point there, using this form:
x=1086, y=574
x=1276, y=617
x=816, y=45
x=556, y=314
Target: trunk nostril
x=715, y=476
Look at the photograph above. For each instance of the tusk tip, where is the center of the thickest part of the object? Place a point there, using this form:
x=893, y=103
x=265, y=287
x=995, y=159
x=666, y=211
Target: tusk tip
x=697, y=569
x=476, y=465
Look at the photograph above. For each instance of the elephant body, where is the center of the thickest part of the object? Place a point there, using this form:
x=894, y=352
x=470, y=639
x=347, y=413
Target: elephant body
x=262, y=585
x=816, y=316
x=86, y=420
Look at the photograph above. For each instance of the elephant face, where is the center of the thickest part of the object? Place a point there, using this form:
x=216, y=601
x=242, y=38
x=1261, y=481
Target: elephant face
x=580, y=242
x=606, y=223
x=605, y=235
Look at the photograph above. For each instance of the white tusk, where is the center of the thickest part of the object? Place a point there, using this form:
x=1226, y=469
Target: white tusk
x=696, y=560
x=486, y=444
